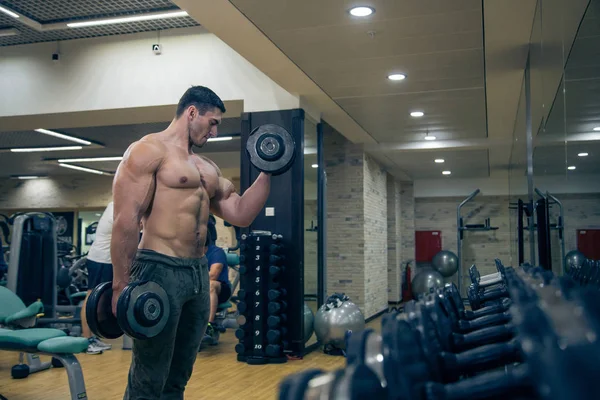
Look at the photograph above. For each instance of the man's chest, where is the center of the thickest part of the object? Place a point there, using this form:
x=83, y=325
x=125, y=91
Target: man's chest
x=189, y=173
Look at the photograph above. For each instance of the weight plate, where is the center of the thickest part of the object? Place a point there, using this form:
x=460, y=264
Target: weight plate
x=271, y=149
x=294, y=386
x=98, y=310
x=403, y=362
x=356, y=347
x=143, y=309
x=443, y=326
x=429, y=342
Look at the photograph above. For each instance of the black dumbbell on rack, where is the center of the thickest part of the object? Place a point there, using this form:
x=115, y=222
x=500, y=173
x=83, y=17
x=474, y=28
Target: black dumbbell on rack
x=556, y=343
x=468, y=320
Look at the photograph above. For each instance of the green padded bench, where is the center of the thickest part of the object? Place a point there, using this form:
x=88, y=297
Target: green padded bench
x=36, y=341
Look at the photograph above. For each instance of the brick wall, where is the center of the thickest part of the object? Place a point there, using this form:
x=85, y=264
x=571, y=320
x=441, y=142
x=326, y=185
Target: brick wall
x=376, y=229
x=345, y=216
x=310, y=248
x=479, y=248
x=394, y=239
x=407, y=225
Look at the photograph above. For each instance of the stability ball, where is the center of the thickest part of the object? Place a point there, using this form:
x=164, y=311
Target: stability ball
x=337, y=317
x=445, y=262
x=425, y=281
x=574, y=259
x=309, y=322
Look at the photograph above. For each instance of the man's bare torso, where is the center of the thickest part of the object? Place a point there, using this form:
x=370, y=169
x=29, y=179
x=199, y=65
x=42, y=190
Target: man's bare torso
x=176, y=219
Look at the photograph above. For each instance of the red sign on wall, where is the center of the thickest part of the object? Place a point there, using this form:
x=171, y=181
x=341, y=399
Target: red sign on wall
x=427, y=245
x=588, y=242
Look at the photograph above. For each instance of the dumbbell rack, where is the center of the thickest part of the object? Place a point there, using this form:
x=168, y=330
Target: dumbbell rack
x=262, y=335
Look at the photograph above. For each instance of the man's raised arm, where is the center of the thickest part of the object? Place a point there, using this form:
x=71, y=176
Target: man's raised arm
x=133, y=189
x=241, y=210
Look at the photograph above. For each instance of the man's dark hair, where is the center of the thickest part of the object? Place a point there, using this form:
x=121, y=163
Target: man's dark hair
x=200, y=97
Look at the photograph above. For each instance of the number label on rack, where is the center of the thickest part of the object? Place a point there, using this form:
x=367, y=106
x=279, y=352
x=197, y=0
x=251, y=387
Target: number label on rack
x=257, y=318
x=256, y=333
x=257, y=293
x=257, y=304
x=258, y=346
x=257, y=280
x=257, y=257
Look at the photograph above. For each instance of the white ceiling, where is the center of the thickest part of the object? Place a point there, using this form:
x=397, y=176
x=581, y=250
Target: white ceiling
x=438, y=44
x=576, y=108
x=464, y=70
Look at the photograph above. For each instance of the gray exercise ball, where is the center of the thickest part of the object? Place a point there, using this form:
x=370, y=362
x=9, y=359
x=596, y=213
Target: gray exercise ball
x=445, y=262
x=574, y=259
x=309, y=322
x=337, y=317
x=425, y=281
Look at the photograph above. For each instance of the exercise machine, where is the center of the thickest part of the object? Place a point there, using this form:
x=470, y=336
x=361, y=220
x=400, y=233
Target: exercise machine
x=544, y=228
x=461, y=228
x=33, y=267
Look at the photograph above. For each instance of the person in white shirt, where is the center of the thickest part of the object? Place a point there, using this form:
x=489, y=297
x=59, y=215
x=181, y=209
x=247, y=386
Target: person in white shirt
x=100, y=270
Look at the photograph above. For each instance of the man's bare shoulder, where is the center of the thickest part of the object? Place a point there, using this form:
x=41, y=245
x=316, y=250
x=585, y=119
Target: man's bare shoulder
x=146, y=153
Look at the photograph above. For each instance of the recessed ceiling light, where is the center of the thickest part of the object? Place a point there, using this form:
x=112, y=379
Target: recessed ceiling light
x=90, y=170
x=571, y=167
x=9, y=12
x=220, y=139
x=35, y=149
x=28, y=177
x=583, y=154
x=362, y=11
x=63, y=136
x=90, y=159
x=133, y=18
x=597, y=128
x=8, y=32
x=429, y=137
x=98, y=215
x=315, y=165
x=417, y=114
x=446, y=172
x=439, y=160
x=396, y=77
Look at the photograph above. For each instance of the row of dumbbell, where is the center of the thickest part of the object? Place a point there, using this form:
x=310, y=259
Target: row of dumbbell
x=262, y=299
x=422, y=353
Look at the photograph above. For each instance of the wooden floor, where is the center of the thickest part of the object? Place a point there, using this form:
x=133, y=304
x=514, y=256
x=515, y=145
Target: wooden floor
x=217, y=374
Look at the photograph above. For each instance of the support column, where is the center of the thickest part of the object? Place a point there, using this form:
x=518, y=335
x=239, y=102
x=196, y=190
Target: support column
x=394, y=239
x=407, y=222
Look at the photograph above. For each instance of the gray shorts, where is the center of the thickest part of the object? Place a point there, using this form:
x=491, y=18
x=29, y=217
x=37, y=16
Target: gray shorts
x=161, y=366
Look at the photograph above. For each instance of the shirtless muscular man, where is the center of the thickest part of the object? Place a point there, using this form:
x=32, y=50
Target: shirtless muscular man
x=163, y=184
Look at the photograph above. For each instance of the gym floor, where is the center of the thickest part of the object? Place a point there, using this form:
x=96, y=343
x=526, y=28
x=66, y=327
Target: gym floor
x=217, y=374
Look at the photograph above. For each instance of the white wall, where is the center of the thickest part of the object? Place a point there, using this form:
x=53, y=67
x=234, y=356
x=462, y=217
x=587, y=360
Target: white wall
x=121, y=72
